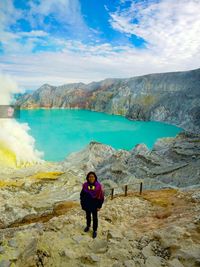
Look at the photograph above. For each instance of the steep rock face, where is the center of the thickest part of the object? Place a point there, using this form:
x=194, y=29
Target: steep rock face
x=88, y=158
x=171, y=162
x=169, y=97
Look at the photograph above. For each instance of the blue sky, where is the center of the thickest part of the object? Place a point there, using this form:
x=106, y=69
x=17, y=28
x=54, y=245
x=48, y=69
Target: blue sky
x=86, y=21
x=63, y=41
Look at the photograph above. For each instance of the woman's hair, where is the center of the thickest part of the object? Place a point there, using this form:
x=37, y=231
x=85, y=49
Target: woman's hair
x=87, y=177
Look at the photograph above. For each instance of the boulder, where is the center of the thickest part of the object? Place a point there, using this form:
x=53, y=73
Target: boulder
x=114, y=234
x=98, y=246
x=5, y=263
x=153, y=261
x=175, y=263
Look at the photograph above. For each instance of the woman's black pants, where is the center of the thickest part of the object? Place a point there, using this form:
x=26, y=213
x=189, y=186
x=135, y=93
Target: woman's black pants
x=95, y=219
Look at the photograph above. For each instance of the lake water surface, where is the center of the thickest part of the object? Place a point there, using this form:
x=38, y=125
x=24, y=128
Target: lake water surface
x=58, y=132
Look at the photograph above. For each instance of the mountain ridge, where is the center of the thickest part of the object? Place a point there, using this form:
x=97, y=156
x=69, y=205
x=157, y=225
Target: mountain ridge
x=171, y=97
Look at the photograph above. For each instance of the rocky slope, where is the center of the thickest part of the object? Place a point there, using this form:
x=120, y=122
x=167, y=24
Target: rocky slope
x=168, y=97
x=172, y=162
x=38, y=190
x=41, y=221
x=157, y=229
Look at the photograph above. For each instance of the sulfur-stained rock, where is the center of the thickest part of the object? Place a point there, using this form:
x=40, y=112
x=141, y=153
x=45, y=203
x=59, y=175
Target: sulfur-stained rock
x=196, y=196
x=118, y=264
x=118, y=253
x=98, y=246
x=2, y=249
x=13, y=243
x=153, y=261
x=189, y=256
x=68, y=253
x=5, y=263
x=114, y=235
x=170, y=236
x=129, y=263
x=175, y=263
x=147, y=251
x=78, y=238
x=90, y=258
x=14, y=255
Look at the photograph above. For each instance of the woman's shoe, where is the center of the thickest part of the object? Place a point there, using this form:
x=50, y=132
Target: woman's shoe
x=86, y=229
x=94, y=234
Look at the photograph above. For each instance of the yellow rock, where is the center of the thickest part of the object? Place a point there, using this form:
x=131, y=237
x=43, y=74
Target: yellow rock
x=4, y=183
x=46, y=175
x=163, y=197
x=7, y=156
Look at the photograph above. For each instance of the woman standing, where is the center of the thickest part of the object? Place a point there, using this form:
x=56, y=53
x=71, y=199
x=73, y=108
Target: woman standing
x=91, y=198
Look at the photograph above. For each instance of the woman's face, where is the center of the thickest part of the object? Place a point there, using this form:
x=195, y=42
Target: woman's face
x=91, y=178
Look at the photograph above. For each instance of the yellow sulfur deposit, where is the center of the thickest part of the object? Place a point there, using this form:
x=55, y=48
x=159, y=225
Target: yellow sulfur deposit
x=163, y=198
x=46, y=175
x=7, y=156
x=4, y=183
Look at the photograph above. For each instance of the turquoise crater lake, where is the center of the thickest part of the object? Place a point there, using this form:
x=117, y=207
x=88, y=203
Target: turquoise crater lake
x=58, y=132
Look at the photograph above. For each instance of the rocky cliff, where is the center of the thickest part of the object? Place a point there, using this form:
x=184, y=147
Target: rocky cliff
x=169, y=97
x=172, y=162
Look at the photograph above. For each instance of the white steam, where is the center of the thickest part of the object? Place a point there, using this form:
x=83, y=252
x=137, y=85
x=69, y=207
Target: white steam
x=15, y=141
x=7, y=87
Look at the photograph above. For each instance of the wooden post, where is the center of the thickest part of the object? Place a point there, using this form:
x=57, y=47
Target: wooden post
x=141, y=188
x=112, y=193
x=126, y=189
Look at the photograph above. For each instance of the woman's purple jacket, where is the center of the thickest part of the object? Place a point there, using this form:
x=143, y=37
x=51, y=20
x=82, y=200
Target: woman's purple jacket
x=93, y=198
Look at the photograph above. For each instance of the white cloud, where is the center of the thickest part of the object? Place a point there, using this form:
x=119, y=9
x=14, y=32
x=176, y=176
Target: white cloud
x=62, y=11
x=12, y=41
x=171, y=28
x=84, y=63
x=33, y=34
x=8, y=14
x=63, y=15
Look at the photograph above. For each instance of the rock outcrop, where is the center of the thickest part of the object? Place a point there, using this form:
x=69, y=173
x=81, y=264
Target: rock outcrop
x=172, y=162
x=168, y=97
